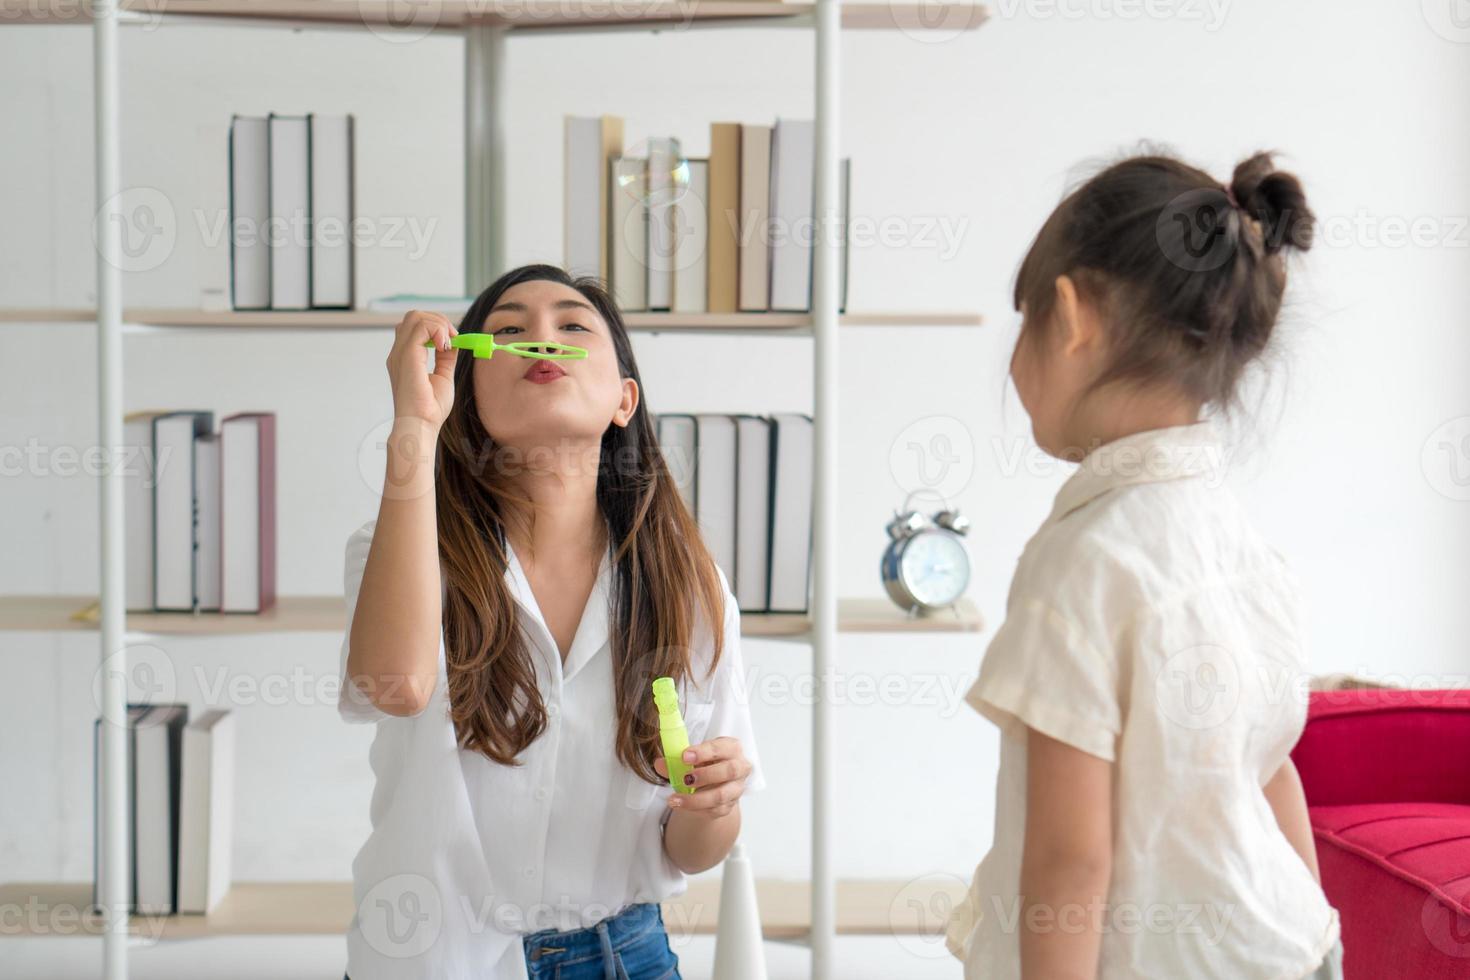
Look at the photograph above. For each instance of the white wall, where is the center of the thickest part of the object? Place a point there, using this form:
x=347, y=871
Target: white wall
x=980, y=132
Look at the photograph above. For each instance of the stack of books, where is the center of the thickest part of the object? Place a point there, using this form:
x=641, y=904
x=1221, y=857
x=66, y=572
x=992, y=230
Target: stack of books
x=201, y=511
x=182, y=777
x=747, y=479
x=730, y=233
x=291, y=212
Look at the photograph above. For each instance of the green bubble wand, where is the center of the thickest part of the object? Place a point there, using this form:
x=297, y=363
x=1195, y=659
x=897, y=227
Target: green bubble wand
x=672, y=733
x=483, y=346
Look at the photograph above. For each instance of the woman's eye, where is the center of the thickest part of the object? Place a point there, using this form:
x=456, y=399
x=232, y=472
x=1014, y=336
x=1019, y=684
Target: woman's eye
x=574, y=326
x=504, y=330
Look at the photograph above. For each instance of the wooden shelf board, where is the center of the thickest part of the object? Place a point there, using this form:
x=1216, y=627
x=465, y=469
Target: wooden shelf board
x=567, y=15
x=333, y=320
x=864, y=907
x=316, y=614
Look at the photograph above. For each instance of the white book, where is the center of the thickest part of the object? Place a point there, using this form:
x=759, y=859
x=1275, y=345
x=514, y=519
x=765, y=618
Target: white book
x=676, y=437
x=844, y=208
x=590, y=143
x=206, y=496
x=290, y=211
x=755, y=197
x=159, y=745
x=793, y=147
x=791, y=513
x=206, y=813
x=247, y=512
x=332, y=252
x=176, y=508
x=752, y=512
x=665, y=182
x=138, y=488
x=691, y=236
x=250, y=211
x=714, y=492
x=628, y=263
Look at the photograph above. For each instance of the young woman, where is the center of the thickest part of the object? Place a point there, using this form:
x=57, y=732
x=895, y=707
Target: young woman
x=531, y=571
x=1149, y=823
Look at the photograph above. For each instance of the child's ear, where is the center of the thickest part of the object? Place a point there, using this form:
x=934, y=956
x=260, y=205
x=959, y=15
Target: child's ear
x=1077, y=327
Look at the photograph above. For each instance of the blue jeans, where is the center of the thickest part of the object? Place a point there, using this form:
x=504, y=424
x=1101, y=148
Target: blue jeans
x=631, y=945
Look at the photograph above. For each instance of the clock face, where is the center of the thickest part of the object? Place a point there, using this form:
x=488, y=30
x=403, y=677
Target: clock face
x=935, y=568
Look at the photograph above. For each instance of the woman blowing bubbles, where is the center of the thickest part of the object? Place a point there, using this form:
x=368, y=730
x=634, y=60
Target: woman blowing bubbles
x=531, y=571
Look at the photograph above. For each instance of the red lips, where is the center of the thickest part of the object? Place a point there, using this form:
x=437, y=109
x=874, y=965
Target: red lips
x=543, y=372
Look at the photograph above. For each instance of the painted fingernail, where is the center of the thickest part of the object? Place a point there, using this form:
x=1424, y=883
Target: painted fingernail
x=689, y=779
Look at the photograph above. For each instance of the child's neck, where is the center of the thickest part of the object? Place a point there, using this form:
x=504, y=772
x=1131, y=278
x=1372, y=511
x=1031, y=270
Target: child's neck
x=1122, y=414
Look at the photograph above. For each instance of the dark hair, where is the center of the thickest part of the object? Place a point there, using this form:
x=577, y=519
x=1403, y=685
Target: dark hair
x=1187, y=272
x=665, y=578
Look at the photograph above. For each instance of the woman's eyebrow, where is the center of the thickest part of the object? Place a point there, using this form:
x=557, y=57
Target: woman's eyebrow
x=561, y=304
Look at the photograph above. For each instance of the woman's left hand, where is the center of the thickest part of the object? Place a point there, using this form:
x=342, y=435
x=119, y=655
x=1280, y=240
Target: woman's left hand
x=718, y=777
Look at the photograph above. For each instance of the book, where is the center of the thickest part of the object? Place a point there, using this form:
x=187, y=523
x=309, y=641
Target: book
x=793, y=146
x=330, y=156
x=206, y=496
x=206, y=811
x=138, y=489
x=250, y=261
x=677, y=438
x=723, y=249
x=135, y=713
x=691, y=240
x=791, y=512
x=752, y=513
x=454, y=307
x=628, y=263
x=666, y=181
x=248, y=512
x=755, y=239
x=176, y=508
x=158, y=745
x=591, y=142
x=290, y=210
x=714, y=477
x=844, y=208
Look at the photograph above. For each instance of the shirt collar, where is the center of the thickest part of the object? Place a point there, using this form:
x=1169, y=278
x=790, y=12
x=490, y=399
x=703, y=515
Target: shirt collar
x=592, y=629
x=1151, y=456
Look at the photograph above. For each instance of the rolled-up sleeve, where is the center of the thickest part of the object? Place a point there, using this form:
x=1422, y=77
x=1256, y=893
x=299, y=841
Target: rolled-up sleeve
x=1041, y=671
x=730, y=698
x=352, y=704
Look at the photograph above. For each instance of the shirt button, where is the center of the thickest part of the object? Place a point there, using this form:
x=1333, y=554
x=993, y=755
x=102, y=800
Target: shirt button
x=541, y=794
x=552, y=709
x=530, y=872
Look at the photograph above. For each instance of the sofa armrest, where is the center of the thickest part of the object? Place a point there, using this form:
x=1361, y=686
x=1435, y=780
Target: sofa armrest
x=1385, y=745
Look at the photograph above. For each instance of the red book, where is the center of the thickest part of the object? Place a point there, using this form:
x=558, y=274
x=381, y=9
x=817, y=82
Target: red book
x=248, y=512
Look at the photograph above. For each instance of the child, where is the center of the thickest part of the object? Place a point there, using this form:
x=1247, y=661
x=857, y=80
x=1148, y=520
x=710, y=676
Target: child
x=1149, y=822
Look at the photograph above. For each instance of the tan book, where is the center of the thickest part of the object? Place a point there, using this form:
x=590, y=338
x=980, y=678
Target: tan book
x=755, y=239
x=724, y=217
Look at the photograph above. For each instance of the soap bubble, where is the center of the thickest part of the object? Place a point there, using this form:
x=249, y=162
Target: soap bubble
x=665, y=180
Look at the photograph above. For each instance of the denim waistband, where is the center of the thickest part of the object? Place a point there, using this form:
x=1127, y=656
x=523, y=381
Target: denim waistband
x=602, y=937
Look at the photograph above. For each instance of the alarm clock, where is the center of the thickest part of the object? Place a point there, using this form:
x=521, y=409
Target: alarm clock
x=926, y=565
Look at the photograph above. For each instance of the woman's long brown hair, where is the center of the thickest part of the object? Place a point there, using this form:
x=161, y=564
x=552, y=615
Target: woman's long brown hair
x=665, y=587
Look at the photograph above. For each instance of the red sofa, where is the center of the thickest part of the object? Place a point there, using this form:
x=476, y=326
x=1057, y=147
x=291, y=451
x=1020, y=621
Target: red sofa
x=1387, y=780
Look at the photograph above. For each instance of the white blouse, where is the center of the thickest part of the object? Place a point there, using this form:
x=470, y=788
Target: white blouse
x=465, y=855
x=1149, y=625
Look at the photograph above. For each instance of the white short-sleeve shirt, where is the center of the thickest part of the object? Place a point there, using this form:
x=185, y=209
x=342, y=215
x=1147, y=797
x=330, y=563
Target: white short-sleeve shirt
x=466, y=856
x=1149, y=625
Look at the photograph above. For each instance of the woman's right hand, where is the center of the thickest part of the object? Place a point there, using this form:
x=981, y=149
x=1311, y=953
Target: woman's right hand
x=418, y=393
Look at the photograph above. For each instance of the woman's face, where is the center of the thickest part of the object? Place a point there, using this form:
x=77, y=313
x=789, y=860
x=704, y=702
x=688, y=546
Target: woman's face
x=526, y=401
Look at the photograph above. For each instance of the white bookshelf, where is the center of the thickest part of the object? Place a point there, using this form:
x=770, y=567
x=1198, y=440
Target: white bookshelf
x=818, y=909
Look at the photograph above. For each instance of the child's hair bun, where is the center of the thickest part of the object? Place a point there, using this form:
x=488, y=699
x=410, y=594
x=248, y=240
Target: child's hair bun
x=1276, y=200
